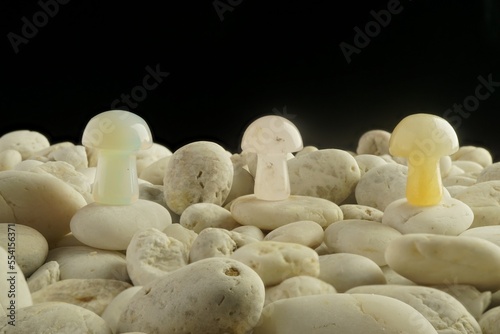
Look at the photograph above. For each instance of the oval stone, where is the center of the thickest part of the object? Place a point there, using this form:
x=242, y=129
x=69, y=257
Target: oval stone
x=432, y=259
x=200, y=171
x=342, y=313
x=210, y=296
x=443, y=311
x=331, y=174
x=269, y=215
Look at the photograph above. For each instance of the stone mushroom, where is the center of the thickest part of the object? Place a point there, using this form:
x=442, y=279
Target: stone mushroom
x=272, y=138
x=118, y=135
x=423, y=139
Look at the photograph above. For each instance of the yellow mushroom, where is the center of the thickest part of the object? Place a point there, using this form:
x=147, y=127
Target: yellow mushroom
x=423, y=139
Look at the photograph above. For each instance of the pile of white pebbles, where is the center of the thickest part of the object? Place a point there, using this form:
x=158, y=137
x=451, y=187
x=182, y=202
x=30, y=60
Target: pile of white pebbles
x=198, y=254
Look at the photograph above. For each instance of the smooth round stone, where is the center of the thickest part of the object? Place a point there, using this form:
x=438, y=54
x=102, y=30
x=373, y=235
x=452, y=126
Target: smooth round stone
x=298, y=286
x=13, y=284
x=375, y=141
x=56, y=317
x=304, y=232
x=489, y=321
x=475, y=301
x=210, y=296
x=25, y=141
x=89, y=262
x=47, y=274
x=484, y=200
x=432, y=259
x=276, y=261
x=250, y=231
x=199, y=216
x=113, y=226
x=459, y=180
x=330, y=174
x=145, y=158
x=444, y=312
x=155, y=172
x=364, y=212
x=75, y=155
x=215, y=242
x=472, y=153
x=31, y=247
x=345, y=271
x=367, y=162
x=200, y=171
x=92, y=294
x=118, y=304
x=469, y=167
x=44, y=154
x=449, y=217
x=27, y=165
x=306, y=149
x=42, y=202
x=68, y=174
x=489, y=173
x=341, y=313
x=490, y=233
x=152, y=254
x=362, y=237
x=382, y=185
x=269, y=215
x=9, y=159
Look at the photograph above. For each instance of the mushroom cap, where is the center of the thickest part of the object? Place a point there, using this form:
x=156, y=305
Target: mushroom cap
x=117, y=130
x=271, y=134
x=422, y=133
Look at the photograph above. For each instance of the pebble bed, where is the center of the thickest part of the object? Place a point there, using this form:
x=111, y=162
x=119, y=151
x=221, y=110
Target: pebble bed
x=198, y=253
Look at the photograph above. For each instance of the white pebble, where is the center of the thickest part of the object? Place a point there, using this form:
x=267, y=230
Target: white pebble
x=9, y=159
x=346, y=270
x=342, y=313
x=152, y=254
x=362, y=237
x=298, y=286
x=92, y=294
x=56, y=317
x=200, y=171
x=269, y=215
x=276, y=261
x=210, y=296
x=89, y=262
x=199, y=216
x=25, y=141
x=47, y=274
x=113, y=226
x=382, y=185
x=449, y=217
x=330, y=174
x=304, y=232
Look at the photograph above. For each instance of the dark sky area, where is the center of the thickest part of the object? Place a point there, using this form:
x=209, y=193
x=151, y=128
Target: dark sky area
x=204, y=70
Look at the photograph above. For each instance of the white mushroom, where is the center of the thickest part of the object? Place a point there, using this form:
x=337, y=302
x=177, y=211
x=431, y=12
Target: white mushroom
x=272, y=138
x=118, y=135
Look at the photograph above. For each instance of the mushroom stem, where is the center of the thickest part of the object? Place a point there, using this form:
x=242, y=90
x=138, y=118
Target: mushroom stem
x=116, y=180
x=424, y=186
x=272, y=182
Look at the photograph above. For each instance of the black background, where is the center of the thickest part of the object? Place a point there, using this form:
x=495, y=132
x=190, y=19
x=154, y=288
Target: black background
x=262, y=58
